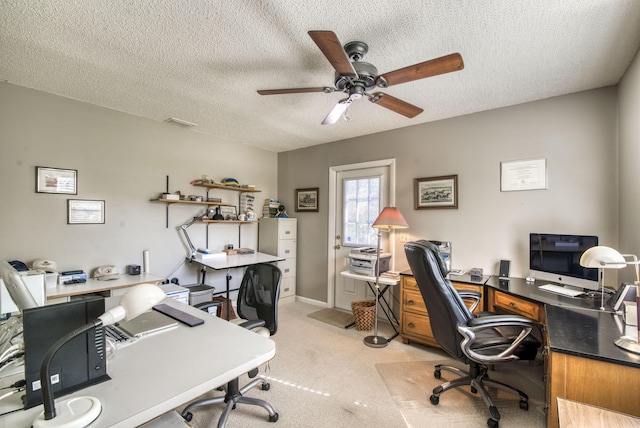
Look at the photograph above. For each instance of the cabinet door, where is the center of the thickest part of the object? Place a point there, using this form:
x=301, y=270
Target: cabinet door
x=287, y=228
x=287, y=248
x=288, y=267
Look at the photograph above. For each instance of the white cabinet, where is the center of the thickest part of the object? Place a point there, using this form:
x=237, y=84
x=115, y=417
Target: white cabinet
x=277, y=236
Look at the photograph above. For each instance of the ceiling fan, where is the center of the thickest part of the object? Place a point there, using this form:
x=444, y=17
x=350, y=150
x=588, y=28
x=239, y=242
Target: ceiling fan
x=356, y=78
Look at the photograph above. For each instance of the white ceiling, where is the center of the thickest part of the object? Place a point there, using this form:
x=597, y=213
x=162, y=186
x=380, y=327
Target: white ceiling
x=203, y=60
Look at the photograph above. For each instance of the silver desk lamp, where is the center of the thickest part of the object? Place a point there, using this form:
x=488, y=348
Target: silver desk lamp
x=605, y=257
x=390, y=218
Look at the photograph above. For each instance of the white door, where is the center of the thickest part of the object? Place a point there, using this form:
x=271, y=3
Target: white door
x=360, y=195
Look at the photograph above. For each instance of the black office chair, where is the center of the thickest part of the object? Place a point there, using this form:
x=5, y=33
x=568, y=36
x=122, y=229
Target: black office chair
x=485, y=340
x=258, y=311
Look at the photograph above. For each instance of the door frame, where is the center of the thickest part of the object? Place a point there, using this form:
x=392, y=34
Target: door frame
x=333, y=175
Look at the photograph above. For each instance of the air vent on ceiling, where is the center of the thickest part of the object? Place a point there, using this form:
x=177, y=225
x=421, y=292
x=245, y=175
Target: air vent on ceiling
x=180, y=122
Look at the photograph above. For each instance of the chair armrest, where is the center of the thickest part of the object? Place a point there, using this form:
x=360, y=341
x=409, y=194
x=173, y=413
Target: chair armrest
x=251, y=324
x=206, y=305
x=473, y=295
x=477, y=325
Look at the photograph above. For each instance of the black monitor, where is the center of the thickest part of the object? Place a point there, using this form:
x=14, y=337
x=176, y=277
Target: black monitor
x=80, y=363
x=556, y=257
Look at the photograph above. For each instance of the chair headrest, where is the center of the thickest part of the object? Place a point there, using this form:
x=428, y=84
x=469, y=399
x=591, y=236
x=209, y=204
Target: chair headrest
x=442, y=267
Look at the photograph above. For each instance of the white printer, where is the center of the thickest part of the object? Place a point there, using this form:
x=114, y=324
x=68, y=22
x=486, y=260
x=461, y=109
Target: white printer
x=362, y=261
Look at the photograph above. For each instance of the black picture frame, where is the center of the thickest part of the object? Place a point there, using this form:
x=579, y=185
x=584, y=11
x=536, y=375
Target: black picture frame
x=307, y=199
x=56, y=180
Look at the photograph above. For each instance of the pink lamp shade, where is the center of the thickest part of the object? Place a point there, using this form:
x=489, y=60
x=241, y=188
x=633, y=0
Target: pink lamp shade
x=390, y=218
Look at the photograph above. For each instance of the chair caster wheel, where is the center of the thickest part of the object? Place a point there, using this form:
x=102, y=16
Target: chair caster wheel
x=434, y=400
x=266, y=386
x=437, y=374
x=473, y=390
x=273, y=418
x=188, y=416
x=492, y=423
x=524, y=405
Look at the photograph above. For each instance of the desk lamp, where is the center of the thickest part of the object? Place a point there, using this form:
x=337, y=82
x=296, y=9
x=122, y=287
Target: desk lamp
x=390, y=218
x=184, y=227
x=82, y=411
x=602, y=257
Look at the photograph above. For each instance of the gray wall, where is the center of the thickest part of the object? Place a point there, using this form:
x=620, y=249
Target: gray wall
x=629, y=102
x=123, y=160
x=577, y=134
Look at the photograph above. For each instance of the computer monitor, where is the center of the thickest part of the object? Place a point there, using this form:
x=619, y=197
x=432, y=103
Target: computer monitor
x=556, y=258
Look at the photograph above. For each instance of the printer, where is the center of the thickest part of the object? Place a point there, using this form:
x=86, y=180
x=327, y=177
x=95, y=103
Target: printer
x=362, y=261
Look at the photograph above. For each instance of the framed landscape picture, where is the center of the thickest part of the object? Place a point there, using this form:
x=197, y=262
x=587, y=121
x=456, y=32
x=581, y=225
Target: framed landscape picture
x=436, y=192
x=307, y=199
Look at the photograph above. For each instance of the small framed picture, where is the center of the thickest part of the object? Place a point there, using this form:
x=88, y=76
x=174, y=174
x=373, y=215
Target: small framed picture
x=83, y=211
x=307, y=199
x=436, y=192
x=56, y=180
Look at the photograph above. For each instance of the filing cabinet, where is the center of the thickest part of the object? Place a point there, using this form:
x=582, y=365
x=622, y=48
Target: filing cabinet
x=277, y=236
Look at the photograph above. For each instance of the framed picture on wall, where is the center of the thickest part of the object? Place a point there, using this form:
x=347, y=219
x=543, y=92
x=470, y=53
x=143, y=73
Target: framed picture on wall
x=307, y=199
x=83, y=211
x=56, y=180
x=436, y=192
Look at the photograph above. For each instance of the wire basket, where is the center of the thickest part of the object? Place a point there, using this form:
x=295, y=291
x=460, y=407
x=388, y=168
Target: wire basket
x=364, y=313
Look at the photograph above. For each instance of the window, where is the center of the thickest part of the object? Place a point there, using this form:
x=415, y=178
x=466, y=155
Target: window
x=361, y=206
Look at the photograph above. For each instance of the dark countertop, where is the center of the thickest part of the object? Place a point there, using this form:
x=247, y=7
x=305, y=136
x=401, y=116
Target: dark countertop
x=464, y=278
x=588, y=333
x=529, y=290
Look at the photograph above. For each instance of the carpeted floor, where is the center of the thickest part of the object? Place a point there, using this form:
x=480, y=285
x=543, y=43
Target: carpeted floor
x=410, y=384
x=324, y=376
x=334, y=317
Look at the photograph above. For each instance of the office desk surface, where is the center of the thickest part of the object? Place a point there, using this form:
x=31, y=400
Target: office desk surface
x=96, y=286
x=168, y=369
x=588, y=333
x=530, y=290
x=237, y=260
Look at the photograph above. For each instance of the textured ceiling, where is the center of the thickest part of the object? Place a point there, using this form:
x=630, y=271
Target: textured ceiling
x=202, y=61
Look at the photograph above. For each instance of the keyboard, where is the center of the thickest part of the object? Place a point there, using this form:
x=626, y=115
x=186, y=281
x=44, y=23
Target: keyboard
x=120, y=337
x=559, y=289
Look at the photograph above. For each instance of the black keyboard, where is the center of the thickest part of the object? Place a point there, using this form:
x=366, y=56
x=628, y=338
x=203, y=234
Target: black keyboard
x=114, y=333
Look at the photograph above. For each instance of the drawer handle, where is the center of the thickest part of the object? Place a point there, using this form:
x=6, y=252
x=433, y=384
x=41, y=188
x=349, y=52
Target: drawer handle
x=287, y=252
x=287, y=233
x=412, y=325
x=286, y=270
x=513, y=305
x=411, y=302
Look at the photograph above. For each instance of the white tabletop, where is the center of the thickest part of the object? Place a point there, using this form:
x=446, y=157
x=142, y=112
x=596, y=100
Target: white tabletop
x=237, y=260
x=161, y=372
x=95, y=285
x=381, y=280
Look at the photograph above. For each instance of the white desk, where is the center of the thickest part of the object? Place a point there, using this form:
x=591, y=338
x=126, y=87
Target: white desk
x=164, y=371
x=387, y=308
x=235, y=261
x=65, y=291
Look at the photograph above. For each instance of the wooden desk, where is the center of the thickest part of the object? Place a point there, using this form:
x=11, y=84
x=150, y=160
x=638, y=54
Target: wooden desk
x=161, y=372
x=62, y=293
x=579, y=415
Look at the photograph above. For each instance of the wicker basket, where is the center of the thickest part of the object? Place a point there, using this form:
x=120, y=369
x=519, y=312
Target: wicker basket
x=364, y=313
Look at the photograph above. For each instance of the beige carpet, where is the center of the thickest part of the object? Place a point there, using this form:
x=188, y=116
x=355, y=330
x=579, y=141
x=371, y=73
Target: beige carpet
x=410, y=384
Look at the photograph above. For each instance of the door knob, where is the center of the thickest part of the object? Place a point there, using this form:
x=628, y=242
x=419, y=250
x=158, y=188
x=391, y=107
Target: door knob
x=337, y=247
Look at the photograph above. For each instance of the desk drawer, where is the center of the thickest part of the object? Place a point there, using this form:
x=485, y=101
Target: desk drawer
x=409, y=282
x=518, y=306
x=417, y=326
x=412, y=302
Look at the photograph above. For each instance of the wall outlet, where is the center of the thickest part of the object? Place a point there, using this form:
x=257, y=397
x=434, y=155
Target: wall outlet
x=404, y=237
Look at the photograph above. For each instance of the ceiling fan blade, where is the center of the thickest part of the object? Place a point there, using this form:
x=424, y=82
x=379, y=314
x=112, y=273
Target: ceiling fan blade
x=434, y=67
x=331, y=47
x=337, y=111
x=395, y=104
x=293, y=91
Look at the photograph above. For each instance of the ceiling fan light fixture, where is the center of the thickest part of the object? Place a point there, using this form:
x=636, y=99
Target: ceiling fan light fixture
x=337, y=111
